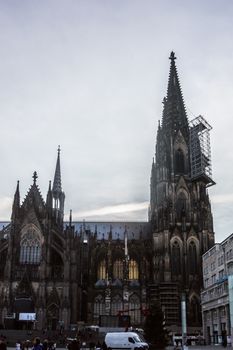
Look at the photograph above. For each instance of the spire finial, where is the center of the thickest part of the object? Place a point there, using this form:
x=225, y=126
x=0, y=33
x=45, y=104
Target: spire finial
x=59, y=149
x=34, y=177
x=172, y=56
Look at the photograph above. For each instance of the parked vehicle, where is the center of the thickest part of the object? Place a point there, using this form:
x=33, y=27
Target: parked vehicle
x=125, y=340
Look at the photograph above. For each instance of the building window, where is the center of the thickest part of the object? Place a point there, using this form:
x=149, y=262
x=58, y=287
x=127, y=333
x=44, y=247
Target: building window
x=99, y=307
x=133, y=270
x=118, y=269
x=176, y=264
x=206, y=282
x=220, y=274
x=192, y=258
x=181, y=206
x=220, y=260
x=101, y=274
x=195, y=312
x=117, y=305
x=212, y=266
x=179, y=162
x=135, y=311
x=223, y=312
x=30, y=248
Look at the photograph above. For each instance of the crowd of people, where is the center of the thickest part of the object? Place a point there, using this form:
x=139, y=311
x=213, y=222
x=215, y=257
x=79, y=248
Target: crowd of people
x=47, y=344
x=36, y=344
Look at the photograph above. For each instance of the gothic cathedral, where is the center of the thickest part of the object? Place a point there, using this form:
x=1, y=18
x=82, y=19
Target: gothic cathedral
x=60, y=273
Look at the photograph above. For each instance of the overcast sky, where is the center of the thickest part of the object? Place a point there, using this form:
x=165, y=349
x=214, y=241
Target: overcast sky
x=90, y=76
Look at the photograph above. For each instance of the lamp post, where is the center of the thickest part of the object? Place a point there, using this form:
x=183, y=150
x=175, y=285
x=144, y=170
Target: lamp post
x=183, y=320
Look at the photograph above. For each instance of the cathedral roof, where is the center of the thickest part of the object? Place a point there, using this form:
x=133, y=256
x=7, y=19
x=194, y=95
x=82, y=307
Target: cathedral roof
x=135, y=230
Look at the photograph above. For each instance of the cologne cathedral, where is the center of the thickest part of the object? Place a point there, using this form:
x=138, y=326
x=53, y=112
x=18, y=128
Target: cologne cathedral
x=106, y=273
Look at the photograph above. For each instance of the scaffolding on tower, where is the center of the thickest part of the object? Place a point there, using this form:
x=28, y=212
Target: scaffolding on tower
x=200, y=151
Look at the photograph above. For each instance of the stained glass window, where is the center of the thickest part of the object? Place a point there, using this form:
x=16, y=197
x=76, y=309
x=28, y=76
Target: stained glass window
x=133, y=270
x=30, y=248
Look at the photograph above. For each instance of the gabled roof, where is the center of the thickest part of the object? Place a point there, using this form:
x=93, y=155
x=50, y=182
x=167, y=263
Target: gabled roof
x=33, y=197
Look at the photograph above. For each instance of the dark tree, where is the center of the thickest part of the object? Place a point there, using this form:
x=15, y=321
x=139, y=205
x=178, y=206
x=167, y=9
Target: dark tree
x=155, y=332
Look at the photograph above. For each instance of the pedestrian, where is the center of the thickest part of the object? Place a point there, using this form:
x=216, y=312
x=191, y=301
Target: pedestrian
x=18, y=345
x=27, y=344
x=45, y=344
x=2, y=344
x=75, y=345
x=37, y=345
x=104, y=346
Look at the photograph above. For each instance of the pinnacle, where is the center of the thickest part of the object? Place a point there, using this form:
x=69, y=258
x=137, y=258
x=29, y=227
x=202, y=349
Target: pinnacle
x=57, y=176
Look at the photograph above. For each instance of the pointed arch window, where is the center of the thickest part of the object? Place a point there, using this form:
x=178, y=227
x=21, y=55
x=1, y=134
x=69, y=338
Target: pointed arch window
x=135, y=309
x=99, y=307
x=181, y=206
x=133, y=270
x=118, y=269
x=101, y=273
x=179, y=162
x=175, y=258
x=195, y=312
x=117, y=305
x=30, y=248
x=192, y=258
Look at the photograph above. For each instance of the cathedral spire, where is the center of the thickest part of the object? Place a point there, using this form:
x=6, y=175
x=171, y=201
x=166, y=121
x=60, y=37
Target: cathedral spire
x=57, y=194
x=57, y=176
x=174, y=114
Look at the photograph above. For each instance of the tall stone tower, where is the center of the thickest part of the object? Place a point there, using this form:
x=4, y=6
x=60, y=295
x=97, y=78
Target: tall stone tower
x=180, y=211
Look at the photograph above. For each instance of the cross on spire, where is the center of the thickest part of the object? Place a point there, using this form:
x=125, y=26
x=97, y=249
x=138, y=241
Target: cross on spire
x=172, y=56
x=34, y=177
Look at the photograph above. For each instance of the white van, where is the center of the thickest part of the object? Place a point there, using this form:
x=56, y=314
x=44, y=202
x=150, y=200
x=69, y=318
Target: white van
x=125, y=340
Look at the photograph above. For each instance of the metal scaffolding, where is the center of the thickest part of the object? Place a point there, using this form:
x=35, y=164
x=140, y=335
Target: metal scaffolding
x=200, y=151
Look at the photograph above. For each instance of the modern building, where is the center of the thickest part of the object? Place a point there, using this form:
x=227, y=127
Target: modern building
x=61, y=273
x=217, y=267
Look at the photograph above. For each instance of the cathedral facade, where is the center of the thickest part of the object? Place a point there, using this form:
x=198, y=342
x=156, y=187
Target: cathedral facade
x=108, y=273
